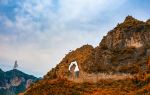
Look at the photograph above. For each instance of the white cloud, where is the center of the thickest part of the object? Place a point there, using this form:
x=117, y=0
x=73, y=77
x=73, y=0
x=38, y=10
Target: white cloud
x=43, y=33
x=3, y=1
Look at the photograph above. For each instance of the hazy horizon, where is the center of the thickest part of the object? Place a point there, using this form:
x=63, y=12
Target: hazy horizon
x=38, y=33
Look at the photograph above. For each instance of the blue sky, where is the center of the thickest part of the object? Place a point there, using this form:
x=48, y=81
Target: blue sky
x=38, y=33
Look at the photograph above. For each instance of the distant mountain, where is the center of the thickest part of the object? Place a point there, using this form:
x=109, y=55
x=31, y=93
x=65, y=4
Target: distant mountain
x=124, y=50
x=14, y=81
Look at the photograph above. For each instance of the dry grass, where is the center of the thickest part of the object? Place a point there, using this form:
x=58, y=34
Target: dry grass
x=117, y=84
x=65, y=87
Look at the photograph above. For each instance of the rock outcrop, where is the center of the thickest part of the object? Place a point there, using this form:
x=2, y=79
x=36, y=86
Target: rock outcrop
x=130, y=33
x=81, y=55
x=125, y=47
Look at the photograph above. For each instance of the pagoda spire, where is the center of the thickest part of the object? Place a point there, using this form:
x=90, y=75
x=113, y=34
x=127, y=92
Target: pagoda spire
x=15, y=65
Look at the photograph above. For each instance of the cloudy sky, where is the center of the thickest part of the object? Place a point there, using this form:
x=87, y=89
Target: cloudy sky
x=38, y=33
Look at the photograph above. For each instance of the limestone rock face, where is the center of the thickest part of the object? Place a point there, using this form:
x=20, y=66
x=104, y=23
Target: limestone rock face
x=130, y=33
x=15, y=81
x=125, y=48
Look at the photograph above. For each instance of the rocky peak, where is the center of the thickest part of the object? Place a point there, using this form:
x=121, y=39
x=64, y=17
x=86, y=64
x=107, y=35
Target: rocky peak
x=129, y=19
x=124, y=45
x=130, y=33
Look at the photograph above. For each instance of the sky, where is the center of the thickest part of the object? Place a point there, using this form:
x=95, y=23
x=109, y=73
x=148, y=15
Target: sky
x=39, y=33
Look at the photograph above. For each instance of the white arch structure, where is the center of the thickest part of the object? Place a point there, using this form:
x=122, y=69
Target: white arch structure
x=74, y=63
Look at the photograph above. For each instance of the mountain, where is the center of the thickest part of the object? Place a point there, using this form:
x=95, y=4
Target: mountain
x=14, y=81
x=124, y=49
x=120, y=63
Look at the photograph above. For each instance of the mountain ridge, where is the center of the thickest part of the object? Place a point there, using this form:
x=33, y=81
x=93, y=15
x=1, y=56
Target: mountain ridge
x=125, y=50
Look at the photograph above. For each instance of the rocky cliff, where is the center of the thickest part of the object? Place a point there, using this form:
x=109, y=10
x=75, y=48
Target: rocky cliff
x=125, y=48
x=130, y=33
